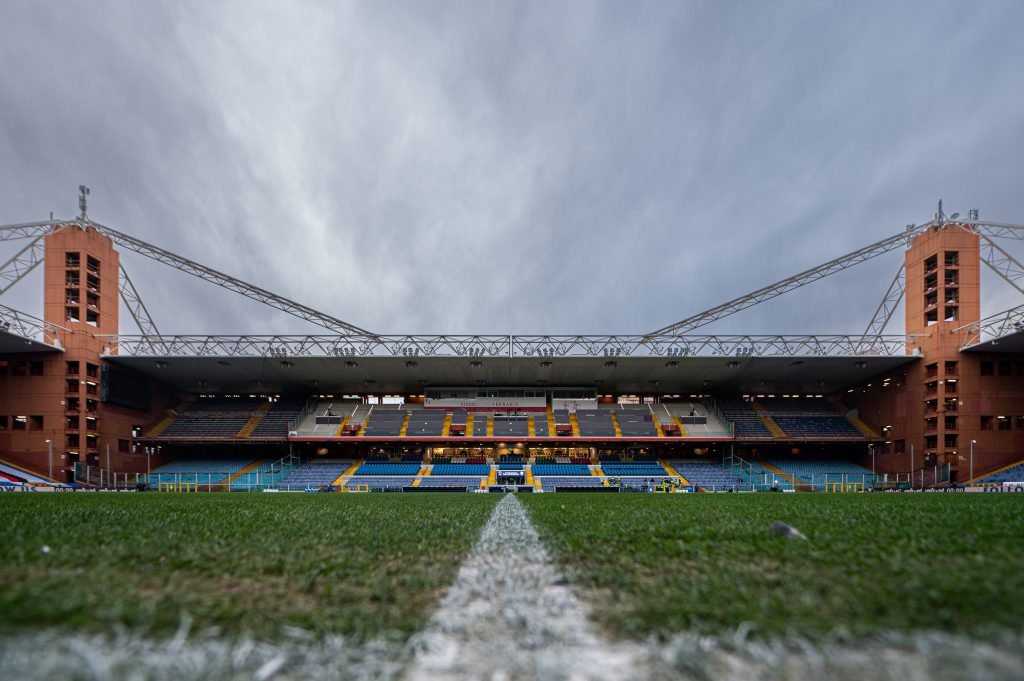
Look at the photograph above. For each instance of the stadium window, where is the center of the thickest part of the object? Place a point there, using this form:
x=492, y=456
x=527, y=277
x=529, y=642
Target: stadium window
x=987, y=368
x=19, y=368
x=952, y=258
x=952, y=368
x=72, y=259
x=71, y=422
x=1020, y=422
x=92, y=371
x=20, y=423
x=986, y=422
x=1003, y=423
x=899, y=446
x=3, y=423
x=1004, y=368
x=35, y=368
x=36, y=422
x=950, y=423
x=72, y=440
x=931, y=370
x=71, y=368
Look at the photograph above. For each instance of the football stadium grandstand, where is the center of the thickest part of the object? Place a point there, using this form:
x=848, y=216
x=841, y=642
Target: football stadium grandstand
x=668, y=409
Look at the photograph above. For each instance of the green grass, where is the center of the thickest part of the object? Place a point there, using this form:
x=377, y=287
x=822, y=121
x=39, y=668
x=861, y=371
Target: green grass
x=359, y=565
x=656, y=564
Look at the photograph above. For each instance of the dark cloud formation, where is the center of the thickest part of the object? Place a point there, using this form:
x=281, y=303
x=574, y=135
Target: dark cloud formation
x=499, y=167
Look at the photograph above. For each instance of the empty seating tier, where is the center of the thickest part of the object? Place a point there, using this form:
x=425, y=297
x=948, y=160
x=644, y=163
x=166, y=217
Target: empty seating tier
x=384, y=422
x=199, y=470
x=380, y=483
x=817, y=472
x=446, y=482
x=540, y=426
x=275, y=422
x=425, y=423
x=510, y=426
x=595, y=423
x=213, y=417
x=748, y=424
x=551, y=484
x=636, y=422
x=460, y=469
x=1011, y=474
x=388, y=469
x=314, y=474
x=638, y=468
x=809, y=418
x=708, y=475
x=542, y=469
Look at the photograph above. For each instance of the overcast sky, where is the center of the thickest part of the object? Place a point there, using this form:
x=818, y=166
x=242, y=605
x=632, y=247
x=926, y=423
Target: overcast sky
x=498, y=167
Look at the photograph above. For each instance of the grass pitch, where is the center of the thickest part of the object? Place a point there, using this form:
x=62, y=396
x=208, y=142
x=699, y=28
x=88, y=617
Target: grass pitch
x=657, y=565
x=357, y=565
x=371, y=566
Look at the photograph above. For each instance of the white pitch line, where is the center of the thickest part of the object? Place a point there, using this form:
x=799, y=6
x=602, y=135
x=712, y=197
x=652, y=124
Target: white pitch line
x=509, y=615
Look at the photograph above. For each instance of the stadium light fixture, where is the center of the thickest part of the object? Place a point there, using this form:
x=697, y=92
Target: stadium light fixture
x=49, y=457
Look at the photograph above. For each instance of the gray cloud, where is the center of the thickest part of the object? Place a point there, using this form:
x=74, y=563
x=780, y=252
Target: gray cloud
x=511, y=167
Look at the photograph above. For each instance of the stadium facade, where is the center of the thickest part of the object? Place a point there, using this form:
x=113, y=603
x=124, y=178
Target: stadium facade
x=949, y=393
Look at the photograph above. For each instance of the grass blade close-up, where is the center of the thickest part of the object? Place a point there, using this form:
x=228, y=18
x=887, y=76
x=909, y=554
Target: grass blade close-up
x=359, y=565
x=656, y=565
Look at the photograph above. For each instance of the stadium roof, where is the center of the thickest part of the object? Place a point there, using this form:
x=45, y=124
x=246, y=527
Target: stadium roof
x=620, y=375
x=1013, y=343
x=14, y=344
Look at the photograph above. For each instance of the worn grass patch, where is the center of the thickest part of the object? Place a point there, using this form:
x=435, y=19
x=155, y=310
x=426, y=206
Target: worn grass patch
x=358, y=565
x=657, y=564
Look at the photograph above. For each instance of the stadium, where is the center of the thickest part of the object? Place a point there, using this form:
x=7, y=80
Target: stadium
x=84, y=403
x=310, y=498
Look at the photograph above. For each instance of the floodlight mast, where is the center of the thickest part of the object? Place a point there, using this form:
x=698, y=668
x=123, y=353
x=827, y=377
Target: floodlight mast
x=30, y=256
x=777, y=289
x=996, y=258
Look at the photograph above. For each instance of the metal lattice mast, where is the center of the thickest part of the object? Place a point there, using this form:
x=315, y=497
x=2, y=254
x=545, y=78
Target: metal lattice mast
x=27, y=230
x=20, y=324
x=304, y=312
x=20, y=264
x=806, y=277
x=228, y=282
x=886, y=308
x=135, y=306
x=1002, y=263
x=995, y=326
x=996, y=230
